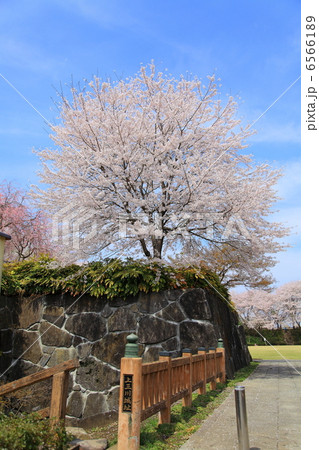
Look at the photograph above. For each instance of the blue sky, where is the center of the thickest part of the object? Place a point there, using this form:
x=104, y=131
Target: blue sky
x=252, y=46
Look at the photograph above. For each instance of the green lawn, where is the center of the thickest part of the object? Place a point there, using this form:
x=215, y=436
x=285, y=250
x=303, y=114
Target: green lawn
x=269, y=352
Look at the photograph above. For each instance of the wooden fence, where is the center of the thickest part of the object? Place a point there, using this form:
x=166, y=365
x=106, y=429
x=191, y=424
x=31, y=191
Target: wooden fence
x=150, y=388
x=60, y=381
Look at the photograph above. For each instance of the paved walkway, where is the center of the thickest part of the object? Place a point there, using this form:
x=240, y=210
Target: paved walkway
x=273, y=412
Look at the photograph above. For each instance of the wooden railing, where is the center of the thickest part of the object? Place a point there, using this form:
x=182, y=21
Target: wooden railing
x=150, y=388
x=60, y=381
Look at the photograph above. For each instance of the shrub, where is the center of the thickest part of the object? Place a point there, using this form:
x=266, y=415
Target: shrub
x=111, y=278
x=291, y=336
x=29, y=432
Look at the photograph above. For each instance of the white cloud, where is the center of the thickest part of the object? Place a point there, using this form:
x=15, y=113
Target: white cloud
x=289, y=184
x=279, y=133
x=107, y=15
x=18, y=54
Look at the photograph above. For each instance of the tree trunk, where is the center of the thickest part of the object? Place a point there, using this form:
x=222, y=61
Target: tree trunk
x=157, y=247
x=145, y=249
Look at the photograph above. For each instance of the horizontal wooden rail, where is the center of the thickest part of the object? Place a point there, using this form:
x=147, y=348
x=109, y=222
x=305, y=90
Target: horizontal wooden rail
x=38, y=376
x=60, y=379
x=153, y=367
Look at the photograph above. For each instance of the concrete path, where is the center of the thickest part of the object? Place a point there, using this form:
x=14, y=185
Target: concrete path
x=273, y=412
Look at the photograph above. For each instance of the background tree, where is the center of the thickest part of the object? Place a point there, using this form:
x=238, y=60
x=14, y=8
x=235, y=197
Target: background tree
x=278, y=309
x=156, y=164
x=289, y=296
x=254, y=306
x=29, y=229
x=237, y=263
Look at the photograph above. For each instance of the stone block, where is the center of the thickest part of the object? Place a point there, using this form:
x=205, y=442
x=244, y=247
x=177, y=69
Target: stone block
x=96, y=376
x=3, y=301
x=118, y=302
x=84, y=304
x=5, y=361
x=89, y=444
x=171, y=345
x=26, y=344
x=44, y=360
x=121, y=320
x=22, y=369
x=47, y=349
x=75, y=404
x=54, y=336
x=95, y=404
x=106, y=311
x=112, y=399
x=6, y=340
x=54, y=314
x=195, y=305
x=152, y=354
x=197, y=334
x=77, y=340
x=61, y=355
x=151, y=302
x=89, y=325
x=153, y=330
x=30, y=311
x=5, y=319
x=172, y=295
x=84, y=350
x=172, y=312
x=111, y=348
x=77, y=432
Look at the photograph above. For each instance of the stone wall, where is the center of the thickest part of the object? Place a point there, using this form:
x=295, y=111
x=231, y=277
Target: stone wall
x=45, y=331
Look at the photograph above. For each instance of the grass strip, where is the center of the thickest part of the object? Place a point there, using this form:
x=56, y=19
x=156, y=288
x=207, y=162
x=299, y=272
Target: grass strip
x=186, y=420
x=292, y=352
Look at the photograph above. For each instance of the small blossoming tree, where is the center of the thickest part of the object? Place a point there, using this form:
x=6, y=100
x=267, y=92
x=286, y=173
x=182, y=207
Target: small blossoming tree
x=278, y=309
x=29, y=229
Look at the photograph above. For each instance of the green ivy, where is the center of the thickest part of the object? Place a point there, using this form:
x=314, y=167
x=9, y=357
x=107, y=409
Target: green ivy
x=111, y=278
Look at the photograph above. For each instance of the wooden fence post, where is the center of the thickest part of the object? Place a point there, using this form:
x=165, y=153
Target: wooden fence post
x=202, y=389
x=130, y=401
x=187, y=400
x=165, y=414
x=221, y=349
x=212, y=384
x=59, y=396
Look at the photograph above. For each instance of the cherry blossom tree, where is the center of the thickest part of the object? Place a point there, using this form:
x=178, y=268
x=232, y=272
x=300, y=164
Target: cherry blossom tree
x=29, y=229
x=254, y=306
x=237, y=263
x=278, y=309
x=156, y=165
x=289, y=297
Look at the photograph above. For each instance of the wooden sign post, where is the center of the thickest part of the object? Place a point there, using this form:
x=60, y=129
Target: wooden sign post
x=130, y=402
